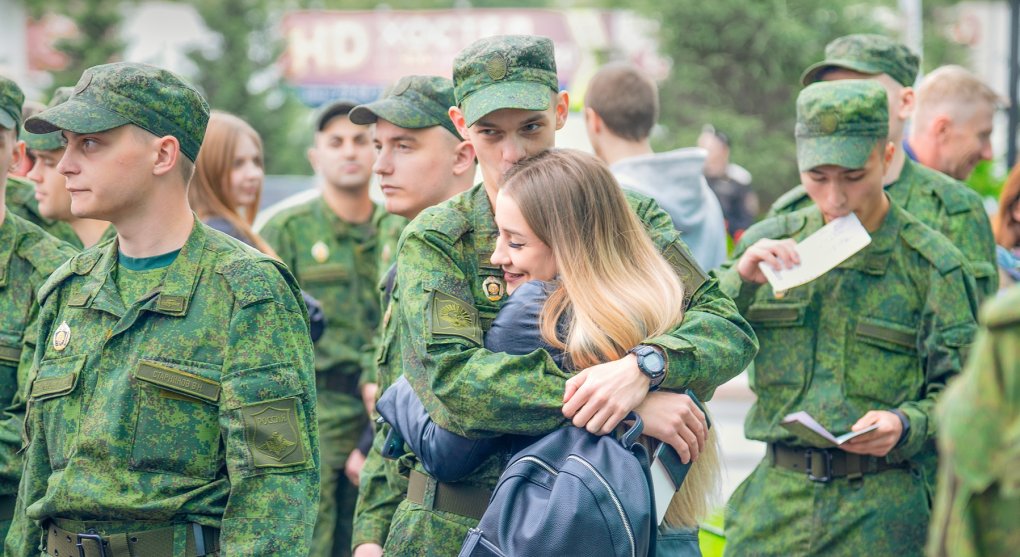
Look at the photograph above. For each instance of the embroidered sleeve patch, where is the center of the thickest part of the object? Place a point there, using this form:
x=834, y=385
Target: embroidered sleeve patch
x=272, y=434
x=452, y=316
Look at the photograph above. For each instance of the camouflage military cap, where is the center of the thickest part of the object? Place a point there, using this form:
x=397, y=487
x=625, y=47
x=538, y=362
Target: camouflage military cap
x=11, y=99
x=112, y=95
x=53, y=140
x=509, y=71
x=868, y=54
x=840, y=122
x=414, y=102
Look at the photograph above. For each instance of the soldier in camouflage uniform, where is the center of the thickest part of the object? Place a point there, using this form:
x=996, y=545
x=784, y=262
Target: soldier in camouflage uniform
x=53, y=199
x=941, y=202
x=172, y=406
x=27, y=256
x=978, y=499
x=335, y=245
x=871, y=342
x=509, y=106
x=20, y=193
x=422, y=161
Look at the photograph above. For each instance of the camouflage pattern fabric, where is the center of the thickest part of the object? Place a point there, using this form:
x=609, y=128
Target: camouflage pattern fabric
x=443, y=308
x=867, y=54
x=20, y=199
x=27, y=256
x=883, y=330
x=53, y=140
x=944, y=204
x=338, y=264
x=414, y=102
x=11, y=99
x=513, y=71
x=112, y=95
x=195, y=404
x=840, y=123
x=978, y=497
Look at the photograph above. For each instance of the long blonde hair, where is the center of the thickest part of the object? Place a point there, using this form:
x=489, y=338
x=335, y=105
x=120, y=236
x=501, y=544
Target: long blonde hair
x=615, y=288
x=209, y=192
x=1005, y=227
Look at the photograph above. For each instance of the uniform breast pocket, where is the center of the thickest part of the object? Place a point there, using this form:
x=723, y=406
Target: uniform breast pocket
x=783, y=338
x=55, y=404
x=177, y=429
x=883, y=364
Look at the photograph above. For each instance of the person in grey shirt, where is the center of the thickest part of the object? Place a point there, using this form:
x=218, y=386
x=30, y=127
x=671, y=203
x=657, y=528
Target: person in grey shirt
x=621, y=106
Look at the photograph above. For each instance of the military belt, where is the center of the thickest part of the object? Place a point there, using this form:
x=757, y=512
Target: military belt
x=456, y=498
x=201, y=541
x=7, y=503
x=338, y=382
x=825, y=465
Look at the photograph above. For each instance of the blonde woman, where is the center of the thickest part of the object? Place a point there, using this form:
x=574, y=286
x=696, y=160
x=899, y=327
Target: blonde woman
x=579, y=266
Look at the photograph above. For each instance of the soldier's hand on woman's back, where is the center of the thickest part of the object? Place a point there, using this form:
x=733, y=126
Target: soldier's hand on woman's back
x=675, y=419
x=878, y=442
x=599, y=397
x=778, y=254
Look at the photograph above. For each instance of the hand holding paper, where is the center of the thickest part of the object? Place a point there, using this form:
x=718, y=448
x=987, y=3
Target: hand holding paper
x=819, y=253
x=807, y=428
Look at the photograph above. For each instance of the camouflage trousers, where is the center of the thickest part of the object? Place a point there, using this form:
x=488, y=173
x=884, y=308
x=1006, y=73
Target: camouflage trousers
x=779, y=512
x=420, y=532
x=341, y=421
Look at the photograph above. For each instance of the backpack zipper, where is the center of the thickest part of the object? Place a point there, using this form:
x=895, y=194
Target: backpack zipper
x=616, y=501
x=539, y=462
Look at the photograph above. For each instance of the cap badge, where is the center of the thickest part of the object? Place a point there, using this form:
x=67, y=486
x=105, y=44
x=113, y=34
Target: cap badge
x=496, y=67
x=320, y=252
x=495, y=288
x=401, y=87
x=83, y=84
x=828, y=122
x=61, y=337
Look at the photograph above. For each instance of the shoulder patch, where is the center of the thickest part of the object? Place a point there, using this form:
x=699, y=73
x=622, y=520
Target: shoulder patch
x=792, y=200
x=1002, y=310
x=937, y=250
x=442, y=219
x=451, y=316
x=247, y=279
x=956, y=196
x=272, y=433
x=691, y=275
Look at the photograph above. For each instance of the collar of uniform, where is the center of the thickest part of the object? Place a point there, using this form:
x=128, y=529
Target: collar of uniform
x=899, y=190
x=344, y=229
x=181, y=276
x=483, y=218
x=874, y=258
x=8, y=237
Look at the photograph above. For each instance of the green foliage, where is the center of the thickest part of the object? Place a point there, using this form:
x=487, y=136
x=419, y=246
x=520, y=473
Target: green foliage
x=985, y=180
x=238, y=76
x=97, y=43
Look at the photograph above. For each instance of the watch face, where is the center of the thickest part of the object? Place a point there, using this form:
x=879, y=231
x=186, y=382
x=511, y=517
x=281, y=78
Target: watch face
x=654, y=363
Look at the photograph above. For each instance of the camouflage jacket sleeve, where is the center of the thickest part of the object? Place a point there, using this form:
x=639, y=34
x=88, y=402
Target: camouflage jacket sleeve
x=714, y=342
x=974, y=228
x=268, y=384
x=379, y=493
x=947, y=327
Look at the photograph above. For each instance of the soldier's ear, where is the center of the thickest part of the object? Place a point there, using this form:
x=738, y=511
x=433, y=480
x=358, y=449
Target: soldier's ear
x=168, y=151
x=906, y=108
x=562, y=109
x=464, y=158
x=457, y=117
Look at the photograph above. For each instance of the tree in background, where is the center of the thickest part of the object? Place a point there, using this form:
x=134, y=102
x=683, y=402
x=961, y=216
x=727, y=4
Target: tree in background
x=238, y=75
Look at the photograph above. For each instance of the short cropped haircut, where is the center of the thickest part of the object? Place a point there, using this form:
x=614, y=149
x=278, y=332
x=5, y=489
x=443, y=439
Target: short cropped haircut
x=626, y=99
x=952, y=90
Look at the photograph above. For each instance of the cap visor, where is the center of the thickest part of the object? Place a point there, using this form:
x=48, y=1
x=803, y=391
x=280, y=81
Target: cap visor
x=523, y=95
x=7, y=121
x=400, y=114
x=43, y=142
x=75, y=116
x=848, y=152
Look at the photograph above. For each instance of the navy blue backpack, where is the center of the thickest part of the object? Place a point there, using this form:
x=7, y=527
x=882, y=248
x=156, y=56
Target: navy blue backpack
x=571, y=493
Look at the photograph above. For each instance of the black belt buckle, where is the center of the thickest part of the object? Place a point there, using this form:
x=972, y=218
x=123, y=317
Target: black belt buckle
x=91, y=536
x=826, y=477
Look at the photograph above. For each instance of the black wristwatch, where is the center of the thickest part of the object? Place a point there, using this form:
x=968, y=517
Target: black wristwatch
x=651, y=362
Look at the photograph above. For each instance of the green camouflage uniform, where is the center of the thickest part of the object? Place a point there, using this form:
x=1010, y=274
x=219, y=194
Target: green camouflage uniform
x=188, y=414
x=943, y=203
x=20, y=200
x=338, y=264
x=978, y=499
x=414, y=102
x=884, y=330
x=27, y=256
x=444, y=307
